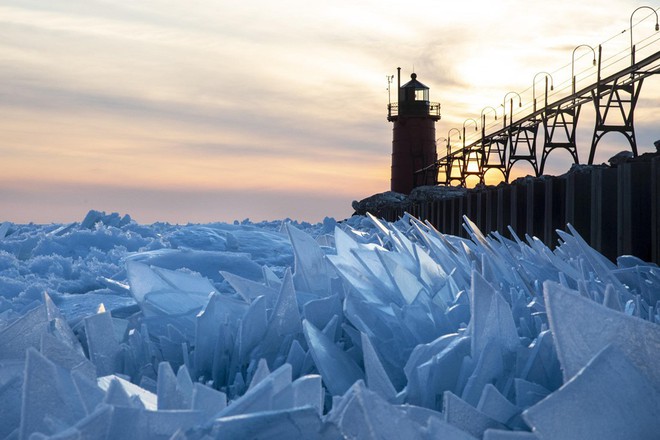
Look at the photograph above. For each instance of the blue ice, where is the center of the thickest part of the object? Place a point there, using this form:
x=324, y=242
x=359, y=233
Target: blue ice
x=272, y=330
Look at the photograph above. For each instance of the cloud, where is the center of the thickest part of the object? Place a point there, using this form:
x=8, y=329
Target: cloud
x=283, y=96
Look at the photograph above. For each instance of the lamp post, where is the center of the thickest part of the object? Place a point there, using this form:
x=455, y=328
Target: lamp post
x=484, y=110
x=511, y=107
x=475, y=128
x=449, y=158
x=483, y=118
x=552, y=87
x=442, y=162
x=657, y=28
x=441, y=139
x=466, y=155
x=449, y=141
x=573, y=63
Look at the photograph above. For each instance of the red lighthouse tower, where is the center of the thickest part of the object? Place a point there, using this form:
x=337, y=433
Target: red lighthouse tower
x=413, y=137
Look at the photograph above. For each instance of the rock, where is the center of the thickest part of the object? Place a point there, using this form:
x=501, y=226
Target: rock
x=620, y=157
x=375, y=203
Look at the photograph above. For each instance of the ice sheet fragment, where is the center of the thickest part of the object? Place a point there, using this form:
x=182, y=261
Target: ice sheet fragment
x=498, y=434
x=489, y=369
x=95, y=425
x=285, y=318
x=542, y=365
x=275, y=425
x=308, y=391
x=528, y=393
x=582, y=328
x=319, y=312
x=363, y=414
x=491, y=317
x=207, y=400
x=249, y=289
x=610, y=398
x=312, y=273
x=104, y=350
x=260, y=397
x=338, y=370
x=116, y=396
x=11, y=389
x=65, y=356
x=260, y=374
x=140, y=424
x=440, y=373
x=50, y=402
x=149, y=399
x=206, y=263
x=495, y=405
x=91, y=394
x=466, y=417
x=23, y=333
x=377, y=379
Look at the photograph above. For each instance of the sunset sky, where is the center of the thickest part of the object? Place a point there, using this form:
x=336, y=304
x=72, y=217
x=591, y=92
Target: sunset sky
x=212, y=110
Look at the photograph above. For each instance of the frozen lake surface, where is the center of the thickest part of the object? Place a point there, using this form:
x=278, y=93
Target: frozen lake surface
x=360, y=329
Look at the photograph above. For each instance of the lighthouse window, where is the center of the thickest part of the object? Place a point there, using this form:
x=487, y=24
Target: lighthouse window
x=420, y=95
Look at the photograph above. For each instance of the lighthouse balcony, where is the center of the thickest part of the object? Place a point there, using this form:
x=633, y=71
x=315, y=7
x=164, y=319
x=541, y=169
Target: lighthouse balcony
x=413, y=109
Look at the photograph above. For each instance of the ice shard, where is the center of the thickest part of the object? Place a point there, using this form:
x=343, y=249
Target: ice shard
x=312, y=272
x=172, y=392
x=249, y=290
x=206, y=263
x=284, y=424
x=377, y=379
x=338, y=370
x=260, y=397
x=104, y=350
x=466, y=417
x=144, y=280
x=94, y=426
x=319, y=312
x=308, y=391
x=490, y=368
x=285, y=318
x=284, y=324
x=260, y=374
x=528, y=393
x=582, y=328
x=498, y=434
x=23, y=333
x=253, y=327
x=207, y=400
x=610, y=398
x=50, y=402
x=491, y=317
x=11, y=390
x=67, y=357
x=363, y=414
x=148, y=399
x=496, y=406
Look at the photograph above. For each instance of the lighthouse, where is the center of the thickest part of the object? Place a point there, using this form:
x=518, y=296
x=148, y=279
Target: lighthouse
x=413, y=136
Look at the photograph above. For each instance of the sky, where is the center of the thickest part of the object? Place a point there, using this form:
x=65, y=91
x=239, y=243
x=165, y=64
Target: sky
x=207, y=111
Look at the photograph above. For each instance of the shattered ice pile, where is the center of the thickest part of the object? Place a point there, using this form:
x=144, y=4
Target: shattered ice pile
x=359, y=329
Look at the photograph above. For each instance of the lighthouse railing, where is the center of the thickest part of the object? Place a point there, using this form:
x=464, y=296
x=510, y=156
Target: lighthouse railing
x=415, y=108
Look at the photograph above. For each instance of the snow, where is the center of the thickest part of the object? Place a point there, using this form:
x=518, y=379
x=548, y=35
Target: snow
x=354, y=329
